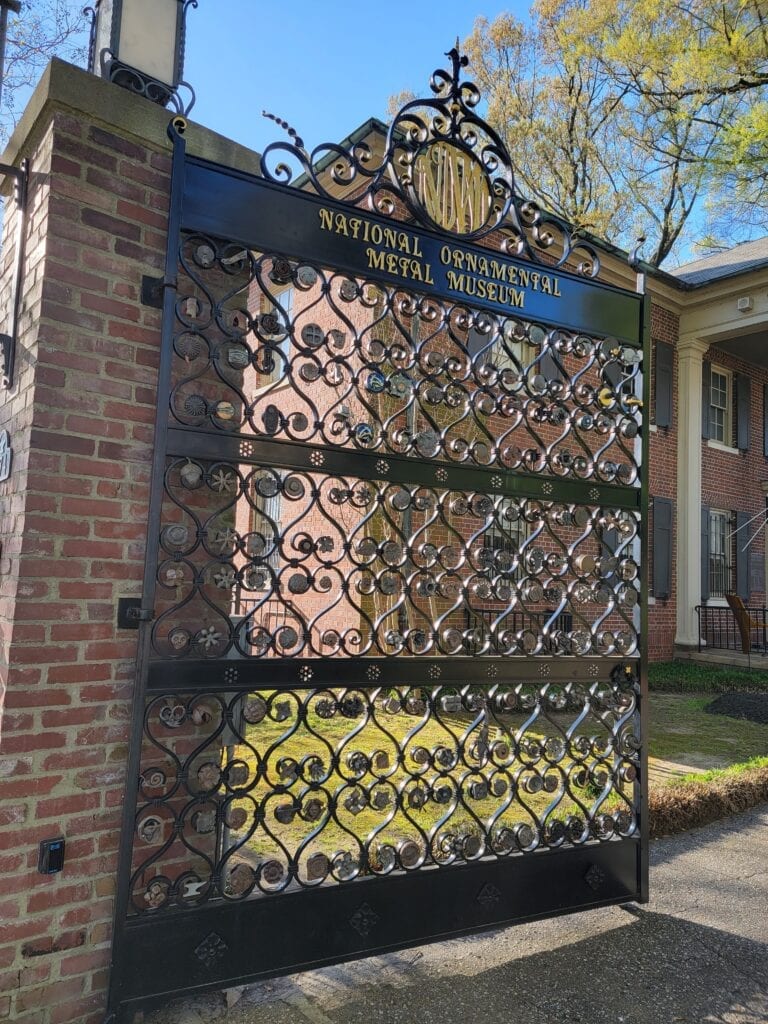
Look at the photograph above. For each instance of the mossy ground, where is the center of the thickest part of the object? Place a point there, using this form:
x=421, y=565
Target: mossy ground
x=696, y=800
x=733, y=751
x=681, y=731
x=338, y=739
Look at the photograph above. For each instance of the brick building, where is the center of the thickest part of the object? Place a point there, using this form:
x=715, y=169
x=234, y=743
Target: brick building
x=73, y=512
x=708, y=446
x=708, y=422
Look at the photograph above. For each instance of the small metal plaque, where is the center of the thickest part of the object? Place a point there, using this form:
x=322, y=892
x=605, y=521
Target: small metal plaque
x=130, y=613
x=152, y=291
x=6, y=455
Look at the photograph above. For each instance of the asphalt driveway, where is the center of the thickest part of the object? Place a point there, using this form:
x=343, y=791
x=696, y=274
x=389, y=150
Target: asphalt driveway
x=698, y=952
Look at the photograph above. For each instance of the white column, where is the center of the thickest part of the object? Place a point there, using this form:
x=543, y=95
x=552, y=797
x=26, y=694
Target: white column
x=690, y=352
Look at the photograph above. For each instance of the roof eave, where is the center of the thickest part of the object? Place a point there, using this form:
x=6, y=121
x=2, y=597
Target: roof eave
x=373, y=124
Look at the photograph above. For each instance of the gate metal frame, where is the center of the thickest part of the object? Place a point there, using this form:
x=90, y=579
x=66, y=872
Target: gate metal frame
x=218, y=943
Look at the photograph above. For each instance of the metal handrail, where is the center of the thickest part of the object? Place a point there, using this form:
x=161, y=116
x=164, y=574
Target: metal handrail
x=719, y=629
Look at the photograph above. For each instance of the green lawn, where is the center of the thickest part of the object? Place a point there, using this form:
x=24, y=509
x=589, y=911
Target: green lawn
x=308, y=757
x=691, y=677
x=682, y=731
x=284, y=755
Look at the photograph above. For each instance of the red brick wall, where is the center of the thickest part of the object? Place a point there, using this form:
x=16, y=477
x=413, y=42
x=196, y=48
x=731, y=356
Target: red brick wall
x=732, y=480
x=72, y=524
x=662, y=457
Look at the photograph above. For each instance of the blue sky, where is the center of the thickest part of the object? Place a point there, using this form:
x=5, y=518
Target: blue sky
x=323, y=67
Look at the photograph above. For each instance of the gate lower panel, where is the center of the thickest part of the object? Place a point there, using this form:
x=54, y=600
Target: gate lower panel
x=230, y=945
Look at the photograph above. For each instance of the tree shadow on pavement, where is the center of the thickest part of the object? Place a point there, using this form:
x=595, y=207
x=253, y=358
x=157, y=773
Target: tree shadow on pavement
x=656, y=969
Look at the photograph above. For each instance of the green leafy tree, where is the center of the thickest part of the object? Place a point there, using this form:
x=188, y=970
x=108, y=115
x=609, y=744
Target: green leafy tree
x=702, y=67
x=586, y=141
x=626, y=116
x=555, y=115
x=43, y=29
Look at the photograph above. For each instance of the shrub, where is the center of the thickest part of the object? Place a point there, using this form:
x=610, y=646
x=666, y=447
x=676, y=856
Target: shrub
x=697, y=800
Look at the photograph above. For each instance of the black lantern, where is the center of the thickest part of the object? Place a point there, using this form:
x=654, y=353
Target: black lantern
x=139, y=44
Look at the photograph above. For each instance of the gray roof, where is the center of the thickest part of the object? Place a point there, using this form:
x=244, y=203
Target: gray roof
x=738, y=260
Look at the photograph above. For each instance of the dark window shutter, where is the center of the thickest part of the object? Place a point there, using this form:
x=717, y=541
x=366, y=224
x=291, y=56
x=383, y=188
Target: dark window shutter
x=706, y=396
x=662, y=547
x=743, y=387
x=548, y=366
x=476, y=341
x=765, y=420
x=704, y=553
x=665, y=355
x=742, y=555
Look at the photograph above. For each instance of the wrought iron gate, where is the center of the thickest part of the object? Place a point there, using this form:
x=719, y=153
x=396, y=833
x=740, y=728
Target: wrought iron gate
x=390, y=675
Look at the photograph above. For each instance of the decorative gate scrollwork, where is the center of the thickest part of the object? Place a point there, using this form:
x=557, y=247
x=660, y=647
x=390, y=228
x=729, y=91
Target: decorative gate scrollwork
x=391, y=685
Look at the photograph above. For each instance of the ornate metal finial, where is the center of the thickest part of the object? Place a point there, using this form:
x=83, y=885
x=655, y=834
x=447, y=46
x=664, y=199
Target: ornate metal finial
x=634, y=256
x=297, y=139
x=92, y=13
x=458, y=61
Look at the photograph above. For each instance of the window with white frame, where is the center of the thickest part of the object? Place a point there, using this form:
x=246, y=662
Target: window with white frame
x=505, y=533
x=282, y=312
x=510, y=350
x=513, y=348
x=721, y=563
x=720, y=415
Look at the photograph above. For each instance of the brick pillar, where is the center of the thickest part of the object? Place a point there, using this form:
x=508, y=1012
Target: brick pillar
x=73, y=522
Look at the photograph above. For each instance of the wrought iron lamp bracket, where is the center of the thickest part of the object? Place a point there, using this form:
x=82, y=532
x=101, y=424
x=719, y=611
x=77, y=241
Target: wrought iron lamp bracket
x=114, y=70
x=8, y=340
x=140, y=83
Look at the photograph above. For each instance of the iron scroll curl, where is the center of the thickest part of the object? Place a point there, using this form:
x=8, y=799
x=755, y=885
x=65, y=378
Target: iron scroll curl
x=444, y=168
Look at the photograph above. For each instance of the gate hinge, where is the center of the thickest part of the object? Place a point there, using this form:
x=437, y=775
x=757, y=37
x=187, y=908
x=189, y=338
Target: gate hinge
x=130, y=613
x=153, y=289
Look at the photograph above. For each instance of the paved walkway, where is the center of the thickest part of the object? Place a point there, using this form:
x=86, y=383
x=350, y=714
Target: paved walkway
x=697, y=953
x=660, y=772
